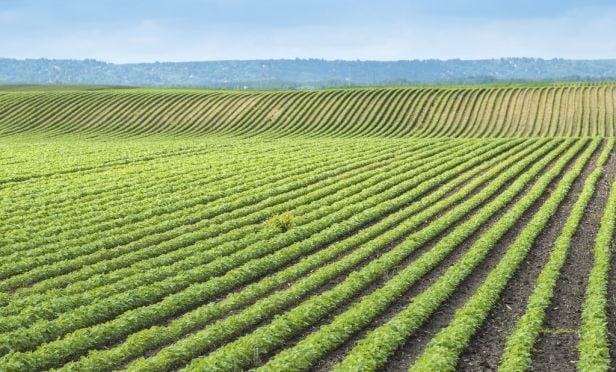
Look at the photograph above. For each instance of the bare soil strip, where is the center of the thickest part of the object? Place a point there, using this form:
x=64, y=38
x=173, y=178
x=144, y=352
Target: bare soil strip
x=611, y=297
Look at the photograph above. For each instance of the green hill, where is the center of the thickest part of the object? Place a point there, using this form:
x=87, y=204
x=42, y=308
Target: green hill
x=476, y=111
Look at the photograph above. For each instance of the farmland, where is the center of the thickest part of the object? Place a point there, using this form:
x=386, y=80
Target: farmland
x=574, y=110
x=422, y=228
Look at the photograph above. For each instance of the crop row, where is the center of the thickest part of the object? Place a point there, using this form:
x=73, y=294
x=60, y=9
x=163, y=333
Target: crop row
x=371, y=240
x=169, y=257
x=562, y=110
x=288, y=296
x=158, y=258
x=319, y=230
x=308, y=170
x=518, y=350
x=594, y=345
x=443, y=350
x=387, y=338
x=249, y=212
x=239, y=353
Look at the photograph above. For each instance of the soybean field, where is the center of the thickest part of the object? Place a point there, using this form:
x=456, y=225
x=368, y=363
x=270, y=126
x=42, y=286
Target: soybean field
x=364, y=229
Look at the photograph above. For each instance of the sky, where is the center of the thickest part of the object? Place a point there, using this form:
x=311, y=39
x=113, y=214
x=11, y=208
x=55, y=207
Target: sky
x=129, y=31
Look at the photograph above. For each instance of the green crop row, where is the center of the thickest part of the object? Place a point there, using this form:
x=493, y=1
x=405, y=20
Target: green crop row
x=240, y=353
x=594, y=346
x=373, y=351
x=163, y=265
x=443, y=350
x=191, y=210
x=518, y=350
x=320, y=232
x=364, y=112
x=157, y=336
x=94, y=248
x=140, y=181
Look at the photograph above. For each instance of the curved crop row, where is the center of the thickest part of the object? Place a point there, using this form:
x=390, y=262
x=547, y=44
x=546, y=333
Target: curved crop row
x=567, y=109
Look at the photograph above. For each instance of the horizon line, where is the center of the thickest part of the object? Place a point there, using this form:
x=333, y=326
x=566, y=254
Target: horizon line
x=311, y=59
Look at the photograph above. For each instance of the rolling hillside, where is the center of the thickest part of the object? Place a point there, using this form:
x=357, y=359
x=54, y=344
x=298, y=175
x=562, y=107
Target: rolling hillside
x=577, y=110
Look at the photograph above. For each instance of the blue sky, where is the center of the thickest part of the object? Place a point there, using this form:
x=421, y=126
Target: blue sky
x=184, y=30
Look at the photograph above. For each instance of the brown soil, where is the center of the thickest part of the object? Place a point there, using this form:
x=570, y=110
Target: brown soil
x=611, y=298
x=604, y=189
x=486, y=347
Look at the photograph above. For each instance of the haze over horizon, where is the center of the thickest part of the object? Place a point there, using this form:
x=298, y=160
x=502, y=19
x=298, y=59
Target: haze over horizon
x=190, y=30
